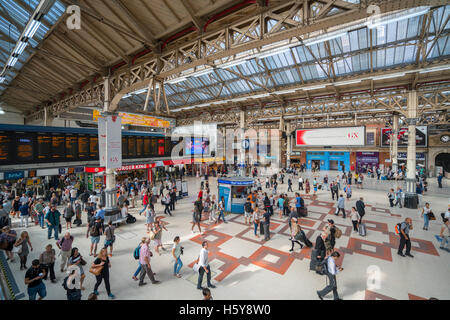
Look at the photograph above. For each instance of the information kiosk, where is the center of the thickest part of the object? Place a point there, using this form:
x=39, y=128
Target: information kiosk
x=235, y=191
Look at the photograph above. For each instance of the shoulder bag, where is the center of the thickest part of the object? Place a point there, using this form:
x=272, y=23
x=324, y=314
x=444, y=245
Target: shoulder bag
x=96, y=270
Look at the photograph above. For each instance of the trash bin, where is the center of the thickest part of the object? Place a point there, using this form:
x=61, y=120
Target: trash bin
x=411, y=201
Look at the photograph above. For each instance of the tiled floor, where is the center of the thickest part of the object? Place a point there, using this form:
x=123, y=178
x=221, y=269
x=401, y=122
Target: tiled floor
x=246, y=267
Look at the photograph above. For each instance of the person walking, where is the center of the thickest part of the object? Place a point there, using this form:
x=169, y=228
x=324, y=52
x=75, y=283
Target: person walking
x=247, y=211
x=166, y=202
x=94, y=230
x=300, y=183
x=290, y=185
x=33, y=279
x=77, y=260
x=348, y=192
x=360, y=207
x=102, y=261
x=177, y=251
x=280, y=205
x=110, y=238
x=331, y=272
x=266, y=226
x=149, y=214
x=391, y=197
x=204, y=267
x=445, y=235
x=307, y=186
x=334, y=190
x=144, y=259
x=354, y=215
x=222, y=210
x=341, y=206
x=315, y=186
x=439, y=179
x=52, y=218
x=405, y=227
x=325, y=182
x=144, y=201
x=197, y=214
x=158, y=235
x=47, y=261
x=398, y=197
x=39, y=210
x=295, y=232
x=298, y=204
x=68, y=214
x=426, y=215
x=24, y=214
x=65, y=245
x=23, y=242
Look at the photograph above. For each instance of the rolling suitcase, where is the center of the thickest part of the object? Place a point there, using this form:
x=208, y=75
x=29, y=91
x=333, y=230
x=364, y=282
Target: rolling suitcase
x=261, y=228
x=305, y=240
x=304, y=211
x=362, y=229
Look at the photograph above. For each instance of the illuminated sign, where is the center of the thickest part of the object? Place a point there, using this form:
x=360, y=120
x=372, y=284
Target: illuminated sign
x=136, y=119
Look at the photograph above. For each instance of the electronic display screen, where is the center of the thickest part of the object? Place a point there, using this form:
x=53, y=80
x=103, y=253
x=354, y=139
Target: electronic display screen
x=83, y=146
x=23, y=147
x=131, y=146
x=161, y=147
x=5, y=142
x=153, y=147
x=71, y=147
x=44, y=145
x=93, y=147
x=124, y=147
x=139, y=146
x=197, y=146
x=147, y=144
x=58, y=147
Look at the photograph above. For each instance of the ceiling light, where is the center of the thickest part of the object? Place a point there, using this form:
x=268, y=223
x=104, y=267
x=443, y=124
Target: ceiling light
x=22, y=45
x=231, y=64
x=388, y=76
x=202, y=72
x=285, y=91
x=272, y=52
x=314, y=87
x=324, y=37
x=343, y=83
x=176, y=80
x=432, y=69
x=12, y=61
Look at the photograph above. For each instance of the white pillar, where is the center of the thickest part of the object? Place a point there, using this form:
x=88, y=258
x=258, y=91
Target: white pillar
x=242, y=168
x=411, y=199
x=394, y=138
x=289, y=145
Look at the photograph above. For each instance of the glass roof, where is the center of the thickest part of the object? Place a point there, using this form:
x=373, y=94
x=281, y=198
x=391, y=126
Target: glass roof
x=14, y=15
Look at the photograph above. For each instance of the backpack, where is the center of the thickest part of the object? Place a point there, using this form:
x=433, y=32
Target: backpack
x=136, y=252
x=398, y=227
x=130, y=219
x=248, y=207
x=337, y=233
x=93, y=231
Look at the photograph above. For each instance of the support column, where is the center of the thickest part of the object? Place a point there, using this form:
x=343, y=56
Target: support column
x=411, y=198
x=289, y=145
x=394, y=139
x=111, y=209
x=242, y=165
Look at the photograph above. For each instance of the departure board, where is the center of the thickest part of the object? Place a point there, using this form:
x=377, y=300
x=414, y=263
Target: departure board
x=93, y=147
x=147, y=146
x=58, y=144
x=131, y=147
x=168, y=147
x=5, y=142
x=124, y=147
x=23, y=147
x=139, y=146
x=83, y=146
x=71, y=147
x=161, y=147
x=44, y=145
x=153, y=147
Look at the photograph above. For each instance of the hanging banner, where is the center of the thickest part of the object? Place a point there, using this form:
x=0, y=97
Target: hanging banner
x=349, y=136
x=136, y=119
x=421, y=136
x=102, y=141
x=113, y=142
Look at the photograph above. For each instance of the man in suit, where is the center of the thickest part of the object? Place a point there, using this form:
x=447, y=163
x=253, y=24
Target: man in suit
x=334, y=190
x=320, y=246
x=360, y=208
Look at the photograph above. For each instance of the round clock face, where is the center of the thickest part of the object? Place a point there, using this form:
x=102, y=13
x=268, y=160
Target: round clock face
x=445, y=138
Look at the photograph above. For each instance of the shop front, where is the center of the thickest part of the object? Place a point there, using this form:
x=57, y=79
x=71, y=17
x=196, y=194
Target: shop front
x=328, y=160
x=366, y=160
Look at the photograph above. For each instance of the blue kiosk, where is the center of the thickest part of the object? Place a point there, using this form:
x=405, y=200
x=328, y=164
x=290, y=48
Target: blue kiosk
x=235, y=191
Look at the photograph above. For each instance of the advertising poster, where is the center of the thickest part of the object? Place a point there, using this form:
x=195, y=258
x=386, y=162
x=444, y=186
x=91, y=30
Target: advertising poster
x=350, y=136
x=421, y=136
x=184, y=188
x=197, y=146
x=113, y=142
x=102, y=141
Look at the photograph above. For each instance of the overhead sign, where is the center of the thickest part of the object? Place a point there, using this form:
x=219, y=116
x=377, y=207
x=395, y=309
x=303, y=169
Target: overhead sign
x=14, y=175
x=421, y=136
x=404, y=156
x=349, y=136
x=113, y=142
x=136, y=119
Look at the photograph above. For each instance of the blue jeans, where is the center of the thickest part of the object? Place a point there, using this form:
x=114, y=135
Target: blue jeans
x=40, y=289
x=41, y=219
x=426, y=221
x=143, y=209
x=177, y=266
x=256, y=227
x=138, y=270
x=221, y=215
x=55, y=228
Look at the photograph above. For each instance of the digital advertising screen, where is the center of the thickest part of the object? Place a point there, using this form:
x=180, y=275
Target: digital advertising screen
x=350, y=136
x=402, y=138
x=196, y=146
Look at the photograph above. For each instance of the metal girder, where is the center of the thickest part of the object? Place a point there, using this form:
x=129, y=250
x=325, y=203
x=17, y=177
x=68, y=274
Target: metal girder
x=205, y=49
x=195, y=20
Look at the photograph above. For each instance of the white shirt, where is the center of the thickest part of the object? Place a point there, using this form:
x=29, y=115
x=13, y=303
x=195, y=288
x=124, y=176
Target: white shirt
x=73, y=193
x=447, y=215
x=300, y=180
x=203, y=258
x=332, y=266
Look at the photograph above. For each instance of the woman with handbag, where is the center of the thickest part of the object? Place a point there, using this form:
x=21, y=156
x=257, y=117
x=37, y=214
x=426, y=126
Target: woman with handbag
x=256, y=217
x=100, y=268
x=426, y=214
x=158, y=235
x=76, y=259
x=7, y=240
x=47, y=260
x=295, y=234
x=22, y=250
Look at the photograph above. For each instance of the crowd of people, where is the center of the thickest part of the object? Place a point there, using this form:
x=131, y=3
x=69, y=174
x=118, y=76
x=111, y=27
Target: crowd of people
x=260, y=206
